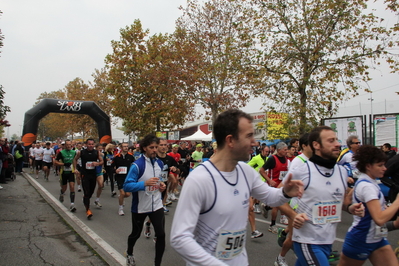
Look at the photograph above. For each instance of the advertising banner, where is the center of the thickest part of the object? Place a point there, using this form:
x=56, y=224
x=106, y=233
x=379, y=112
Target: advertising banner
x=346, y=126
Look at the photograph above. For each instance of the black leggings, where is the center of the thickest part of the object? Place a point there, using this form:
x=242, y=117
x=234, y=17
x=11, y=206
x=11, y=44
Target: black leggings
x=158, y=221
x=89, y=185
x=109, y=174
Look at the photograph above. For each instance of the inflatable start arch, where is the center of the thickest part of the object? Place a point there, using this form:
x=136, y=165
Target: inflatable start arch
x=46, y=106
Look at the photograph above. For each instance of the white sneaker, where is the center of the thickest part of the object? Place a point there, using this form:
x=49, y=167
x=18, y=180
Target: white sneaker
x=98, y=204
x=280, y=261
x=273, y=229
x=1, y=187
x=121, y=212
x=173, y=196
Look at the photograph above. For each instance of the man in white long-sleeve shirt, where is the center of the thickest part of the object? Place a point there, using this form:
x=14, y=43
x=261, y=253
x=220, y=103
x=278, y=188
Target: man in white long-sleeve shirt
x=211, y=218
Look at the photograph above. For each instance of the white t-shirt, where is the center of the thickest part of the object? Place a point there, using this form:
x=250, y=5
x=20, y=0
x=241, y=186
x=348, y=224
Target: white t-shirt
x=38, y=153
x=48, y=155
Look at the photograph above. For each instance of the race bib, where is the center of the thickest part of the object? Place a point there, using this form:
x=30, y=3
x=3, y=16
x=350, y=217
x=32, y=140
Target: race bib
x=109, y=162
x=282, y=174
x=123, y=170
x=90, y=165
x=380, y=231
x=164, y=176
x=68, y=168
x=327, y=212
x=230, y=244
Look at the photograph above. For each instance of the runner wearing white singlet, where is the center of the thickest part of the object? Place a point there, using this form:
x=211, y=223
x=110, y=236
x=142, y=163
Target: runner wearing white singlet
x=210, y=222
x=324, y=198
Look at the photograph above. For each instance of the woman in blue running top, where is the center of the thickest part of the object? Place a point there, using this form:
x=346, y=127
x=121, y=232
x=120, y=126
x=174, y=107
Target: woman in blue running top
x=367, y=237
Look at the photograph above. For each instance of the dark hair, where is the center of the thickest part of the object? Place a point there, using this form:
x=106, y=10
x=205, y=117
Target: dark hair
x=147, y=141
x=226, y=124
x=387, y=145
x=304, y=140
x=314, y=135
x=292, y=141
x=290, y=146
x=90, y=139
x=368, y=154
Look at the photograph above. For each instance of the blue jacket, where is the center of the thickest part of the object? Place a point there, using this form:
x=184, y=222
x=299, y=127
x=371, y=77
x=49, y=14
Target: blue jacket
x=141, y=170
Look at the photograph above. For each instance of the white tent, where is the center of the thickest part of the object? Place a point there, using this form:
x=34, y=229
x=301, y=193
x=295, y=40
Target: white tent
x=199, y=135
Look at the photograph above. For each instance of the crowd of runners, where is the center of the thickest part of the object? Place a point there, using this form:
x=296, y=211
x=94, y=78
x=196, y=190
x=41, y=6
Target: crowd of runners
x=309, y=180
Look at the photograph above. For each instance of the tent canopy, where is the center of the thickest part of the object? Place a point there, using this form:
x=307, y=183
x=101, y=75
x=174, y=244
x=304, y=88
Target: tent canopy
x=199, y=135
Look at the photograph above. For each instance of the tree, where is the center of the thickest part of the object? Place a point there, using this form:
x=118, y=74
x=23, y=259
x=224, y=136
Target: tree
x=4, y=109
x=309, y=49
x=146, y=86
x=212, y=35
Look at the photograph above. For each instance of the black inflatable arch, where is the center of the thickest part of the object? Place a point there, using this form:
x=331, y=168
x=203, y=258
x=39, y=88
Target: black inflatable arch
x=90, y=108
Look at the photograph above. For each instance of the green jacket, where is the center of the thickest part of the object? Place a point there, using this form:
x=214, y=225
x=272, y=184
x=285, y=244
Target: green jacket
x=257, y=162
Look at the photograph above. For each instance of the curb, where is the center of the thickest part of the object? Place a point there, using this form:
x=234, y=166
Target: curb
x=108, y=253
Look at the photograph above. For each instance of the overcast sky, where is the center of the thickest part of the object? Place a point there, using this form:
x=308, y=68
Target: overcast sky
x=51, y=42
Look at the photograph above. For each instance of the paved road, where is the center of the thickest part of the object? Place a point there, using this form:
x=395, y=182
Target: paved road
x=114, y=229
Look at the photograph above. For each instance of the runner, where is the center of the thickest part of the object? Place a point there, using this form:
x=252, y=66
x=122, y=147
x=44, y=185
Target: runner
x=174, y=175
x=325, y=195
x=256, y=162
x=209, y=227
x=108, y=169
x=78, y=148
x=48, y=157
x=90, y=159
x=121, y=164
x=37, y=154
x=100, y=177
x=64, y=159
x=274, y=170
x=143, y=180
x=367, y=237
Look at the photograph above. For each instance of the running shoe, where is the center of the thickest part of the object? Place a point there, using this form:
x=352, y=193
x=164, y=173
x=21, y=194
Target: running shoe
x=280, y=261
x=281, y=236
x=61, y=198
x=98, y=204
x=130, y=260
x=79, y=189
x=283, y=219
x=89, y=214
x=165, y=209
x=147, y=231
x=173, y=197
x=121, y=212
x=155, y=240
x=334, y=256
x=113, y=194
x=1, y=187
x=273, y=229
x=72, y=208
x=256, y=208
x=256, y=234
x=264, y=210
x=168, y=202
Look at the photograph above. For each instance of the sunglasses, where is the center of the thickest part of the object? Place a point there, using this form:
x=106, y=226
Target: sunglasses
x=356, y=142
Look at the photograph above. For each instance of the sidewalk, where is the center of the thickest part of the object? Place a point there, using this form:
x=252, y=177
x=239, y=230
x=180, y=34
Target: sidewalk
x=32, y=232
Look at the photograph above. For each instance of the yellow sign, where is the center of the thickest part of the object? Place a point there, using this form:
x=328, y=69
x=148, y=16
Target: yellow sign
x=277, y=125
